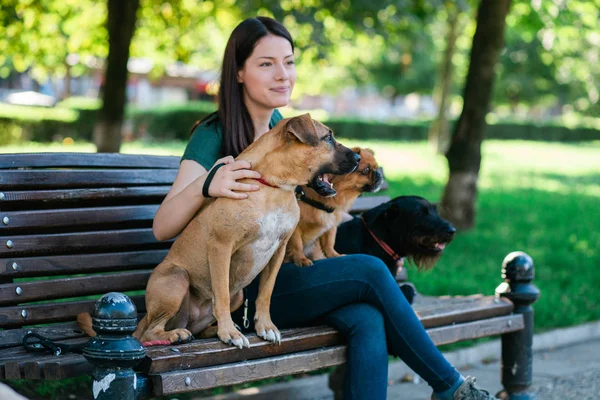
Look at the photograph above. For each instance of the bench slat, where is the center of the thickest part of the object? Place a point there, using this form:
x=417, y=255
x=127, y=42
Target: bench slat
x=213, y=351
x=12, y=370
x=459, y=309
x=72, y=287
x=14, y=337
x=83, y=218
x=462, y=309
x=167, y=383
x=80, y=263
x=139, y=193
x=230, y=374
x=61, y=179
x=52, y=312
x=476, y=329
x=202, y=349
x=83, y=160
x=78, y=242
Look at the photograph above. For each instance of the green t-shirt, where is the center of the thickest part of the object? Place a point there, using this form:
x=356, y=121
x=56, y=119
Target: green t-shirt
x=204, y=146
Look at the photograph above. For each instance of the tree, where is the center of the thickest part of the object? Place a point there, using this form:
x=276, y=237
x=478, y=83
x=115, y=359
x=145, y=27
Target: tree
x=464, y=154
x=120, y=26
x=439, y=130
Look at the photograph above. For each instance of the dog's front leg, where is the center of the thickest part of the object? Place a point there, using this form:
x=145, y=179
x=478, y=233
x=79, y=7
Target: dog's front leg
x=219, y=259
x=296, y=249
x=317, y=252
x=262, y=317
x=327, y=241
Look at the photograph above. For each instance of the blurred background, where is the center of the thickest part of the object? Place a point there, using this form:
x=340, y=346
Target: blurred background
x=491, y=108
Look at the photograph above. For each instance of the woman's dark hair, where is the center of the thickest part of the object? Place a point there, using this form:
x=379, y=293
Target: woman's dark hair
x=238, y=129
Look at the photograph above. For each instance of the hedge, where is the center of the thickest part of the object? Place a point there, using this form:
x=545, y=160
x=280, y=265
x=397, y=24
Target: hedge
x=76, y=118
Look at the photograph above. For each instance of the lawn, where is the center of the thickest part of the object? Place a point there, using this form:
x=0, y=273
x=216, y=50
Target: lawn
x=542, y=198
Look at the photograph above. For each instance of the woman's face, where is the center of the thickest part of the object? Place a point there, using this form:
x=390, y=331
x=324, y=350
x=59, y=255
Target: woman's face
x=269, y=74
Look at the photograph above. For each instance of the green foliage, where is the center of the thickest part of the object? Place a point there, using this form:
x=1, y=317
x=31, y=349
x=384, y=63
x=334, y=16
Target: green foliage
x=80, y=387
x=76, y=117
x=169, y=122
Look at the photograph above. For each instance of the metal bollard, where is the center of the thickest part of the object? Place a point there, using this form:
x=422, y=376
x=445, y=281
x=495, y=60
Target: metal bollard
x=114, y=352
x=517, y=347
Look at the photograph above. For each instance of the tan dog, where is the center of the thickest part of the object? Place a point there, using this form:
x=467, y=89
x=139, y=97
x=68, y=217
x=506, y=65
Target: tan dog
x=229, y=242
x=319, y=216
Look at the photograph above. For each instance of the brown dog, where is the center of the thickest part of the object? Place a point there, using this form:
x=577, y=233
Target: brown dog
x=319, y=216
x=229, y=242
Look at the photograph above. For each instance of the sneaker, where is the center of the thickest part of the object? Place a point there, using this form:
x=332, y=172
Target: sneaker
x=468, y=391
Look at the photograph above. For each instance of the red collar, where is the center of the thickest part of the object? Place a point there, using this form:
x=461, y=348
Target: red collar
x=384, y=246
x=261, y=180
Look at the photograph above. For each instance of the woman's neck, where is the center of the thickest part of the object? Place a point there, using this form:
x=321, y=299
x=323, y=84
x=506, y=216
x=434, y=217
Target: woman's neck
x=260, y=119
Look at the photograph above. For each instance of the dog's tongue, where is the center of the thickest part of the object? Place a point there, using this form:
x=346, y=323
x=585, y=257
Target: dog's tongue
x=440, y=246
x=325, y=178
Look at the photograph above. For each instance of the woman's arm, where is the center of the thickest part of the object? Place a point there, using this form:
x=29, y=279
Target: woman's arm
x=185, y=197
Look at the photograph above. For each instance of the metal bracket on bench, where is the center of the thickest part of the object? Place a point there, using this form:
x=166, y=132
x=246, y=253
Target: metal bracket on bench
x=114, y=352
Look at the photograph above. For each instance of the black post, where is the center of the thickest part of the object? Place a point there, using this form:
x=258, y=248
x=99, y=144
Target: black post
x=517, y=347
x=114, y=352
x=336, y=381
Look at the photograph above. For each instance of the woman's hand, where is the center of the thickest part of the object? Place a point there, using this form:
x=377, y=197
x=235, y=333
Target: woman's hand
x=225, y=182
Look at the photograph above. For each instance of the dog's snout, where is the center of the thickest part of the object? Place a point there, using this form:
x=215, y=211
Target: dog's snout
x=451, y=230
x=356, y=157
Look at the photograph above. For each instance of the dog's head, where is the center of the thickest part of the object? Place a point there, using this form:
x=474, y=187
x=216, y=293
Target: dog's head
x=319, y=154
x=367, y=177
x=413, y=228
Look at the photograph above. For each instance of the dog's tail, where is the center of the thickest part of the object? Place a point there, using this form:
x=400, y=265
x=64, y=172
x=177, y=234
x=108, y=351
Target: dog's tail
x=85, y=323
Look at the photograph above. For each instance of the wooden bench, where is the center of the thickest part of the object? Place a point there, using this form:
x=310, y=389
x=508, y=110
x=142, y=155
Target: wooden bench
x=76, y=226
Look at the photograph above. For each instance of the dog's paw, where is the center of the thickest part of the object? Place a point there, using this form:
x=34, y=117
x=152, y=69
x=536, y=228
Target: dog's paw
x=334, y=254
x=233, y=337
x=303, y=262
x=267, y=331
x=178, y=336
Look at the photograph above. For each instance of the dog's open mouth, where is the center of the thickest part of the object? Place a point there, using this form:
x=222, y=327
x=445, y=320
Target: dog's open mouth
x=433, y=246
x=322, y=185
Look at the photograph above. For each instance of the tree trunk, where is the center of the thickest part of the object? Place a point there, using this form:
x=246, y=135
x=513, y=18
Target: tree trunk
x=67, y=91
x=464, y=154
x=438, y=131
x=120, y=26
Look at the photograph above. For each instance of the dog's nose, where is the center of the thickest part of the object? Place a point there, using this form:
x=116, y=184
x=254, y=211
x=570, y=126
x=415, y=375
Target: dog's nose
x=356, y=157
x=451, y=230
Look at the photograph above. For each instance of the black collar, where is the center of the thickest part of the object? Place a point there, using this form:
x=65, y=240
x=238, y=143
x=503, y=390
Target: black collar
x=316, y=204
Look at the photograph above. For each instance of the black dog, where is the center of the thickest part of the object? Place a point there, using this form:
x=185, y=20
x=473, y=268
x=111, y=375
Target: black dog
x=407, y=226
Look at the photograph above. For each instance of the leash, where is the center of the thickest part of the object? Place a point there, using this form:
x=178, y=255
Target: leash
x=44, y=344
x=384, y=246
x=301, y=196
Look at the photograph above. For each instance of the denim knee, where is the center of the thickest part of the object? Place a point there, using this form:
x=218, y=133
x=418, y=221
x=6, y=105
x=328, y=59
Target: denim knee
x=371, y=269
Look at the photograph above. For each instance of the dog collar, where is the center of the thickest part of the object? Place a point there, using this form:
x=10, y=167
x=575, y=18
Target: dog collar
x=261, y=180
x=316, y=204
x=384, y=246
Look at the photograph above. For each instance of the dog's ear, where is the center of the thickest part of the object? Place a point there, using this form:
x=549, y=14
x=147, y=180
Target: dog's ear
x=303, y=128
x=367, y=150
x=356, y=150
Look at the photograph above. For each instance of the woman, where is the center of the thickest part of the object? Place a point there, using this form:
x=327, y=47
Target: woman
x=356, y=294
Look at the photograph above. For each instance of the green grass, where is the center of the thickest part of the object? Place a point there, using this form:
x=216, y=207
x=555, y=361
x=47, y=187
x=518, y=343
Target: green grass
x=542, y=198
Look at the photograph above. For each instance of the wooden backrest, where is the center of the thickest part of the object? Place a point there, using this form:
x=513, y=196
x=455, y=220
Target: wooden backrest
x=76, y=226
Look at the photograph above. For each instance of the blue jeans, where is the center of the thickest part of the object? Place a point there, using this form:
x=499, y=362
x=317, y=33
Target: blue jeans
x=358, y=296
